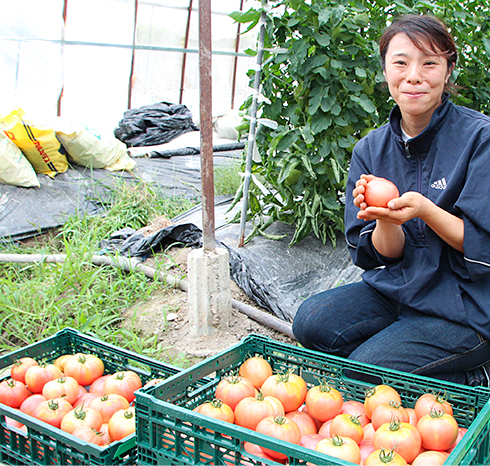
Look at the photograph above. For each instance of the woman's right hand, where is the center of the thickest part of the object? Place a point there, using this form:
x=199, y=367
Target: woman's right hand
x=360, y=189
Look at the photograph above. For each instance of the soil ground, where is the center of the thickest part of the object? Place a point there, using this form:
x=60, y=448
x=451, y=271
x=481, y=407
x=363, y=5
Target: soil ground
x=165, y=314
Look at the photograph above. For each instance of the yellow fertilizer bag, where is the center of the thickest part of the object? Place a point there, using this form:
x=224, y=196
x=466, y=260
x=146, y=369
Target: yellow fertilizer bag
x=15, y=169
x=38, y=143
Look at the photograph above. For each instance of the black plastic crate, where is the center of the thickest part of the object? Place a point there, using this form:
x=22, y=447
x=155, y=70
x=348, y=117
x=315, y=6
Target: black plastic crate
x=47, y=445
x=169, y=432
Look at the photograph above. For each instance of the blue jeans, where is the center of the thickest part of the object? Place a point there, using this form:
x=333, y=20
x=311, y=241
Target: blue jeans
x=357, y=322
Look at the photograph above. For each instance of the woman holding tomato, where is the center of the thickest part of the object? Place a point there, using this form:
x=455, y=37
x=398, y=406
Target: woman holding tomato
x=423, y=305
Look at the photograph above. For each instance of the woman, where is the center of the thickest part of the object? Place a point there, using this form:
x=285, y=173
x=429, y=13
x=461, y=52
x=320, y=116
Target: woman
x=423, y=305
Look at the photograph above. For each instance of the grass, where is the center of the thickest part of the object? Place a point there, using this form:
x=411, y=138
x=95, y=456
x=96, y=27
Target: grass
x=38, y=299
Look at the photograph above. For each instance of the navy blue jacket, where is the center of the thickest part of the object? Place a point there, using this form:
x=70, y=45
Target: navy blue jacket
x=449, y=163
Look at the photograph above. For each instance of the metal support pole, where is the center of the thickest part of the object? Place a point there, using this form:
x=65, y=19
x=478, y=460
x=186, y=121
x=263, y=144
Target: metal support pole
x=253, y=125
x=206, y=125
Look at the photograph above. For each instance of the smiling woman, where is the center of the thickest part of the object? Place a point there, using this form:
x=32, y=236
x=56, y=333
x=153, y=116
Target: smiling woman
x=422, y=306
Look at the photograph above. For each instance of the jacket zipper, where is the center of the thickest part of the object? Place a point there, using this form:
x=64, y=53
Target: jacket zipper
x=419, y=184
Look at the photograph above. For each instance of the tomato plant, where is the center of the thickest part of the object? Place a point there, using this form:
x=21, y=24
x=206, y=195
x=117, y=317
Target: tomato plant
x=85, y=368
x=18, y=370
x=428, y=401
x=289, y=388
x=123, y=383
x=343, y=448
x=347, y=425
x=37, y=376
x=377, y=395
x=217, y=409
x=256, y=369
x=323, y=401
x=386, y=412
x=81, y=416
x=233, y=389
x=382, y=457
x=52, y=411
x=107, y=405
x=401, y=436
x=281, y=428
x=13, y=393
x=430, y=458
x=63, y=387
x=305, y=422
x=251, y=410
x=90, y=435
x=379, y=191
x=122, y=424
x=438, y=430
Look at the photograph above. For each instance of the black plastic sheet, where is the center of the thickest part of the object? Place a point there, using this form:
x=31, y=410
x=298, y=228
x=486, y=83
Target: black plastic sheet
x=154, y=124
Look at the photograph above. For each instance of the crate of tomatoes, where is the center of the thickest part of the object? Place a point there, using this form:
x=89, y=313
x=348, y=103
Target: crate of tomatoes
x=69, y=399
x=266, y=402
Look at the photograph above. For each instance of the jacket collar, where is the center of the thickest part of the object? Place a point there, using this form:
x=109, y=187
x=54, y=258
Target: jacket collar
x=438, y=117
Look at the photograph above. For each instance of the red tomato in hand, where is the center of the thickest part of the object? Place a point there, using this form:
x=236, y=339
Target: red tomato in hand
x=343, y=448
x=279, y=427
x=256, y=369
x=251, y=410
x=18, y=370
x=233, y=389
x=290, y=389
x=323, y=402
x=13, y=393
x=122, y=424
x=438, y=430
x=85, y=368
x=401, y=436
x=379, y=191
x=123, y=383
x=37, y=376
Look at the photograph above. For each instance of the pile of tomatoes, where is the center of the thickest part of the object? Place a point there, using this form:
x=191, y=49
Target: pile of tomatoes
x=377, y=431
x=73, y=395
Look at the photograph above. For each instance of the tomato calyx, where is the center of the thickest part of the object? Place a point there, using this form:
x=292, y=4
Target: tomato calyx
x=324, y=386
x=81, y=359
x=53, y=405
x=216, y=402
x=355, y=419
x=284, y=376
x=395, y=404
x=260, y=396
x=281, y=420
x=128, y=414
x=337, y=441
x=79, y=412
x=385, y=456
x=11, y=383
x=437, y=412
x=395, y=424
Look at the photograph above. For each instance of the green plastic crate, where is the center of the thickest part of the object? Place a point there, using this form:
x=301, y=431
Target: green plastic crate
x=169, y=432
x=46, y=445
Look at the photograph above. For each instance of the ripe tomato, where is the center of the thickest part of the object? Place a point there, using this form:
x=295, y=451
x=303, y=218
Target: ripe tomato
x=310, y=440
x=97, y=386
x=107, y=405
x=104, y=430
x=323, y=402
x=63, y=387
x=85, y=368
x=368, y=432
x=357, y=409
x=379, y=191
x=81, y=416
x=255, y=450
x=428, y=401
x=290, y=389
x=152, y=382
x=438, y=430
x=37, y=376
x=461, y=432
x=52, y=411
x=233, y=389
x=18, y=370
x=251, y=410
x=386, y=412
x=85, y=399
x=402, y=436
x=305, y=422
x=123, y=383
x=279, y=427
x=122, y=424
x=343, y=448
x=412, y=416
x=347, y=425
x=13, y=393
x=366, y=448
x=325, y=428
x=377, y=395
x=90, y=435
x=60, y=361
x=217, y=409
x=382, y=457
x=430, y=458
x=256, y=369
x=30, y=403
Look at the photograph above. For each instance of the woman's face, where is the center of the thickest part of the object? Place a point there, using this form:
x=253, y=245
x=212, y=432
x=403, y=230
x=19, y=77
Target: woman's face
x=415, y=78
